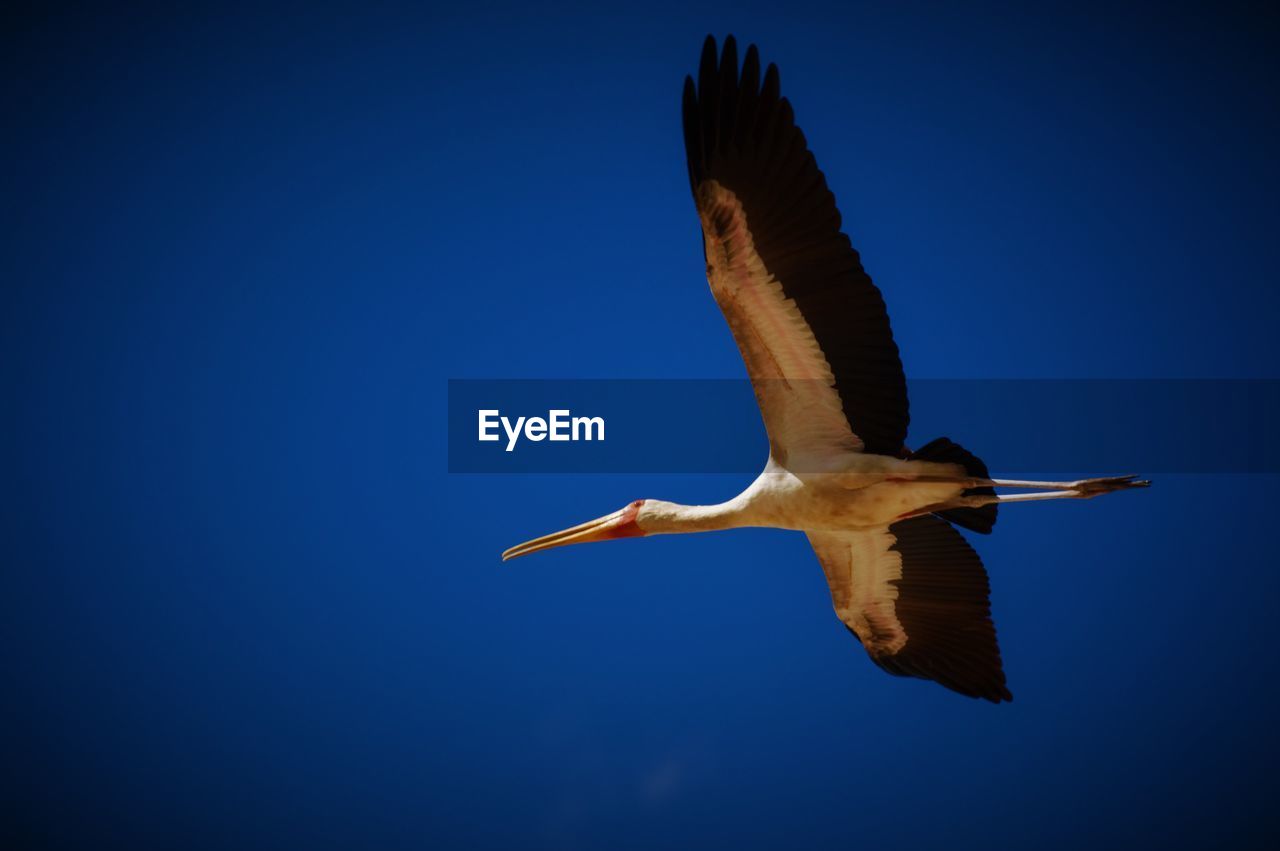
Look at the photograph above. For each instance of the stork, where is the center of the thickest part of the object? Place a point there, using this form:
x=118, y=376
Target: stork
x=814, y=333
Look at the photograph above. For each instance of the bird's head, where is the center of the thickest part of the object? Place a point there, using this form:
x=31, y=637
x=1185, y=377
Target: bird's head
x=627, y=522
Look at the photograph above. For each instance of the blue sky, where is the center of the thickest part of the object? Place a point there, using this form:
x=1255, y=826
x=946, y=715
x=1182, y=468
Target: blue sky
x=245, y=603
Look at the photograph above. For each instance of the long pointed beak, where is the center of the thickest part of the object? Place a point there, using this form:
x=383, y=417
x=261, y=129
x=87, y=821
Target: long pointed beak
x=619, y=524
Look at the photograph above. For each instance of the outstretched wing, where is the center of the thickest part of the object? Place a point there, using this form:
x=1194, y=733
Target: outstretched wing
x=810, y=324
x=917, y=597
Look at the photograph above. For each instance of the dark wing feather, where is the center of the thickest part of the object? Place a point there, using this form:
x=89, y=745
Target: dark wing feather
x=740, y=136
x=917, y=597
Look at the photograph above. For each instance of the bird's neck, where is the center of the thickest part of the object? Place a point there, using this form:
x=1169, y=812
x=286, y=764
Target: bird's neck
x=672, y=518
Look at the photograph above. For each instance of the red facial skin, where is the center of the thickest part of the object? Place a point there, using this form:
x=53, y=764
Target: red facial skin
x=627, y=526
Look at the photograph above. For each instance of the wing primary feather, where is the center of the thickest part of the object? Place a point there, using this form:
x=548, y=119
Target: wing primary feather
x=769, y=95
x=748, y=97
x=727, y=94
x=708, y=100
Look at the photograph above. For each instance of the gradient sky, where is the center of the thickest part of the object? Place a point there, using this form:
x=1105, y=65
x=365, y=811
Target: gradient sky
x=244, y=604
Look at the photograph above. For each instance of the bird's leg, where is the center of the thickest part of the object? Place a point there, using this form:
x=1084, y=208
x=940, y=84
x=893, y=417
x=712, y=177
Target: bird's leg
x=1100, y=484
x=1028, y=497
x=1082, y=489
x=1078, y=488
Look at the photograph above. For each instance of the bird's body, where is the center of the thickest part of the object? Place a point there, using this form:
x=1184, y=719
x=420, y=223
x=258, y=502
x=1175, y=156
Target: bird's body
x=814, y=335
x=869, y=492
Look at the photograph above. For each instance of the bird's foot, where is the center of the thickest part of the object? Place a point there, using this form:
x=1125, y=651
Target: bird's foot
x=1089, y=488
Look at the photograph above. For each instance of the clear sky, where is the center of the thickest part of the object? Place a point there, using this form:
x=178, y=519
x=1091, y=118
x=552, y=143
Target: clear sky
x=244, y=604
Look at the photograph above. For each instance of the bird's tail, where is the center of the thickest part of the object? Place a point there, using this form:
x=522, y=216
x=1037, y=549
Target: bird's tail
x=944, y=451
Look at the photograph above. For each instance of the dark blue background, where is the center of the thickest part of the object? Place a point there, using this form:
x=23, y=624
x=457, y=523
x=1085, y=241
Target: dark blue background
x=244, y=604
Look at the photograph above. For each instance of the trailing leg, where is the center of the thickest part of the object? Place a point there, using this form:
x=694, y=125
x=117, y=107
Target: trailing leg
x=1082, y=489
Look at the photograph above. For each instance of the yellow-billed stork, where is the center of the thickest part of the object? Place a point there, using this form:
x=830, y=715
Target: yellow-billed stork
x=813, y=331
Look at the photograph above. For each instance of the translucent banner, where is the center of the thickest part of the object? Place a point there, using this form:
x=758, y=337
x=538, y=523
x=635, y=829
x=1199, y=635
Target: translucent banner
x=1017, y=426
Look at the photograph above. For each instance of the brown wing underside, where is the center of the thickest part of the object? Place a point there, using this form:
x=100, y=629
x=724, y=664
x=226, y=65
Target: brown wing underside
x=917, y=596
x=741, y=139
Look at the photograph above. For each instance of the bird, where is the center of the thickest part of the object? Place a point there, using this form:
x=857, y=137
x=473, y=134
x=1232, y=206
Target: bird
x=814, y=334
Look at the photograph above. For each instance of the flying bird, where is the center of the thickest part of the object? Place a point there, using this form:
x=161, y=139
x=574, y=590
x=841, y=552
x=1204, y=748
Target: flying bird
x=814, y=333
